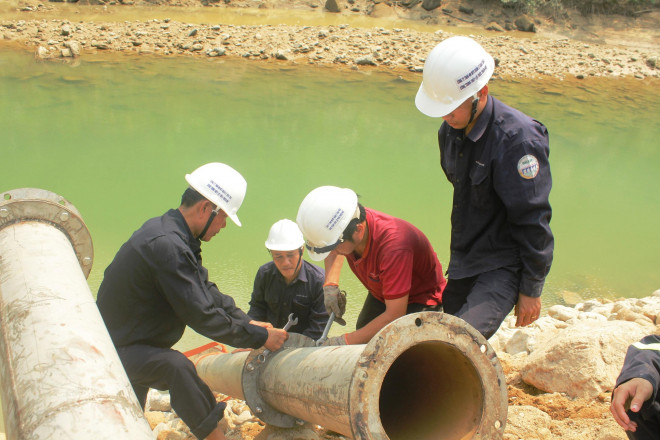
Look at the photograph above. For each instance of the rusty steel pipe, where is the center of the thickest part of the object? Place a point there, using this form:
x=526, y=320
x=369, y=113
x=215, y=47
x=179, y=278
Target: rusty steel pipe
x=61, y=376
x=424, y=376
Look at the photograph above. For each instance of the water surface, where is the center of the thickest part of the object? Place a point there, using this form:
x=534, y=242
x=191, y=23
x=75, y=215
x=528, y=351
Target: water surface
x=116, y=135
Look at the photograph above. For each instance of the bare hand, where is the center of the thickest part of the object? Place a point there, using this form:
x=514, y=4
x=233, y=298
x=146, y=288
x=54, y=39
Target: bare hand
x=276, y=337
x=262, y=324
x=527, y=309
x=637, y=391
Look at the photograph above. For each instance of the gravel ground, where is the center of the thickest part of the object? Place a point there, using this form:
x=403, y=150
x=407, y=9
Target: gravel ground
x=517, y=54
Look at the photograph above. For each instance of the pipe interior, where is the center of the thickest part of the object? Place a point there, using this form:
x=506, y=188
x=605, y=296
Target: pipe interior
x=432, y=391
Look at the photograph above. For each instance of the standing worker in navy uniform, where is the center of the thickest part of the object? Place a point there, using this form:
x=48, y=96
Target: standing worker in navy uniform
x=497, y=160
x=289, y=284
x=156, y=285
x=637, y=388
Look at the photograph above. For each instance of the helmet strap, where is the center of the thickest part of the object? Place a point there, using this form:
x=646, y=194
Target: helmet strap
x=475, y=102
x=208, y=223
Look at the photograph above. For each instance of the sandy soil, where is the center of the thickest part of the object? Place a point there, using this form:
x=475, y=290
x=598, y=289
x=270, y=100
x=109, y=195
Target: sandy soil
x=566, y=45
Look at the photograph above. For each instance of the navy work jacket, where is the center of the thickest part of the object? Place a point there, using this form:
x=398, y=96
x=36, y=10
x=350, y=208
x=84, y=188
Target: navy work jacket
x=273, y=300
x=501, y=212
x=156, y=285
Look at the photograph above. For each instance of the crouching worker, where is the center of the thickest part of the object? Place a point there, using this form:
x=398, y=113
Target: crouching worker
x=392, y=258
x=289, y=284
x=156, y=286
x=635, y=399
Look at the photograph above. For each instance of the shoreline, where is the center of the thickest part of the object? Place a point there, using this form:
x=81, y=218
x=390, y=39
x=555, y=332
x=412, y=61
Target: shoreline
x=343, y=46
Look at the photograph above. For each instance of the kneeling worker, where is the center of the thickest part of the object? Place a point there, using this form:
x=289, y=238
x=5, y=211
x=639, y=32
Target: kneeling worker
x=156, y=285
x=392, y=258
x=289, y=284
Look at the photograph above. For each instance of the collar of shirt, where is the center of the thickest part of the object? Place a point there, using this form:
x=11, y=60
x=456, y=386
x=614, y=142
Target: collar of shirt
x=180, y=225
x=482, y=121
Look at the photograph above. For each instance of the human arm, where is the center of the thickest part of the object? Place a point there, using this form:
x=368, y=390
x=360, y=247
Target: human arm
x=527, y=309
x=630, y=394
x=317, y=315
x=258, y=308
x=638, y=381
x=522, y=180
x=197, y=302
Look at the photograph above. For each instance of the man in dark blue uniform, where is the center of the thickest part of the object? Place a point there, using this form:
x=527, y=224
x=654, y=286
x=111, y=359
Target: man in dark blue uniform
x=289, y=284
x=156, y=286
x=497, y=161
x=637, y=389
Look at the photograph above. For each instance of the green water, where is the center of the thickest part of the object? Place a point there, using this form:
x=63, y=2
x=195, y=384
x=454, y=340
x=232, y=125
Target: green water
x=115, y=137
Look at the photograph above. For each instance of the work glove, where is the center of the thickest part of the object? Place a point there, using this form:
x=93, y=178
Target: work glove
x=335, y=340
x=335, y=301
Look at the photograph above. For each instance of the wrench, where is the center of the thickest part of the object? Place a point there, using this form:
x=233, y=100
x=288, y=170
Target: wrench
x=324, y=336
x=290, y=323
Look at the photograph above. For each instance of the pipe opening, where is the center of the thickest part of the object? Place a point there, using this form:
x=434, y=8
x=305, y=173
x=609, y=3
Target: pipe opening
x=431, y=391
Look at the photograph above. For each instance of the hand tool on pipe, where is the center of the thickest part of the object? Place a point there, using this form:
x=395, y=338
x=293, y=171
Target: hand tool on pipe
x=290, y=323
x=324, y=336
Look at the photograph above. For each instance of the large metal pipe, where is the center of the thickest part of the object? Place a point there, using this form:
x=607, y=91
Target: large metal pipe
x=61, y=376
x=424, y=376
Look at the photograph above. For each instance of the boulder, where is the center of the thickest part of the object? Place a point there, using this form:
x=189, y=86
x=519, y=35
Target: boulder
x=430, y=5
x=527, y=422
x=525, y=24
x=583, y=360
x=332, y=6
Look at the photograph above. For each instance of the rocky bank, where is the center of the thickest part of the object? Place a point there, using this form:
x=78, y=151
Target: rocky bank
x=533, y=54
x=559, y=371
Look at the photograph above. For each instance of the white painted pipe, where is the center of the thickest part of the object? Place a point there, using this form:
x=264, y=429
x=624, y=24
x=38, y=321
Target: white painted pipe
x=61, y=376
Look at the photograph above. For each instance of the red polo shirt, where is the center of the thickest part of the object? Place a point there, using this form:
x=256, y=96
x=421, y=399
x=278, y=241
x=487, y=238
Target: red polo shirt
x=397, y=261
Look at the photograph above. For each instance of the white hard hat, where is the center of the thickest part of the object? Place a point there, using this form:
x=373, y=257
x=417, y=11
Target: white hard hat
x=284, y=235
x=322, y=217
x=456, y=69
x=220, y=184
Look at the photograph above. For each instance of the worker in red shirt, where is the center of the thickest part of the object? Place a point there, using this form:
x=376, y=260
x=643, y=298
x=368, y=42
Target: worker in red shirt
x=392, y=258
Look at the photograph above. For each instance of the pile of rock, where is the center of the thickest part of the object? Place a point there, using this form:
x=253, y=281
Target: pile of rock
x=577, y=351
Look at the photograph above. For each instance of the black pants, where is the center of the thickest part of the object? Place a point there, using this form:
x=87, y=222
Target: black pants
x=373, y=307
x=484, y=300
x=648, y=424
x=167, y=369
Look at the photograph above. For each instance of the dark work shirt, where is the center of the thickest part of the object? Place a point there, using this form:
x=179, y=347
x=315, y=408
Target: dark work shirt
x=501, y=212
x=273, y=300
x=643, y=360
x=156, y=285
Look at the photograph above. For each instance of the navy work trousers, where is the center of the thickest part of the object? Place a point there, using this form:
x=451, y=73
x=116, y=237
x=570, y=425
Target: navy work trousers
x=167, y=369
x=484, y=300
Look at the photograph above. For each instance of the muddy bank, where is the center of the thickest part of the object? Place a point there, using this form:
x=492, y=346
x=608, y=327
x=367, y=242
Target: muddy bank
x=343, y=46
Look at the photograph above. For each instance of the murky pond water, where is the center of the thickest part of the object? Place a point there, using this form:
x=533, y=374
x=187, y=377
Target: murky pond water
x=115, y=136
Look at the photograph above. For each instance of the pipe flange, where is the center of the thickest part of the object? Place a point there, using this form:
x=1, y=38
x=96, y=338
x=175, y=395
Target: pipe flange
x=462, y=369
x=39, y=205
x=252, y=370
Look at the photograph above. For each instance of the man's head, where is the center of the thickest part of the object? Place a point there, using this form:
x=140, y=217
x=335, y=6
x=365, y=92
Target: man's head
x=285, y=244
x=216, y=192
x=455, y=74
x=325, y=215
